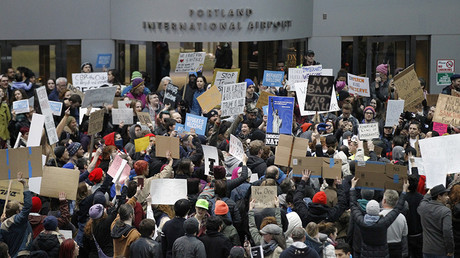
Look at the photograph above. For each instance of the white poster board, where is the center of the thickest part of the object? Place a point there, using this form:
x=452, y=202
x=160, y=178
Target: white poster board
x=368, y=131
x=296, y=75
x=176, y=189
x=21, y=106
x=46, y=111
x=85, y=81
x=190, y=62
x=233, y=98
x=358, y=85
x=36, y=130
x=99, y=96
x=225, y=76
x=211, y=158
x=124, y=115
x=56, y=107
x=394, y=110
x=236, y=148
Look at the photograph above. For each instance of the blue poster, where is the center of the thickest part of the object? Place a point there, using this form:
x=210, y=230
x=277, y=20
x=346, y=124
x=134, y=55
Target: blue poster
x=273, y=78
x=196, y=122
x=265, y=109
x=280, y=114
x=179, y=128
x=103, y=60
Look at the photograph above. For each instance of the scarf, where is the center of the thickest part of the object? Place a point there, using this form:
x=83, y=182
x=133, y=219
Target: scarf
x=269, y=248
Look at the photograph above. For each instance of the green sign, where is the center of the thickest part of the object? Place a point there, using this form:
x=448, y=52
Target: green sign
x=443, y=78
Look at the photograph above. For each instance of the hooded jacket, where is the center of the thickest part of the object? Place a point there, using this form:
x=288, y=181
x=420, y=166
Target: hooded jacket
x=216, y=244
x=48, y=242
x=257, y=165
x=299, y=249
x=36, y=220
x=123, y=236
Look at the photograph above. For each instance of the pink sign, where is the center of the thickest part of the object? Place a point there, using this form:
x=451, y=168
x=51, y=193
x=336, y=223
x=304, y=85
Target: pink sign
x=119, y=170
x=440, y=128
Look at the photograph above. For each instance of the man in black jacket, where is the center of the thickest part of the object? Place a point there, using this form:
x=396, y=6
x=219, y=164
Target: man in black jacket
x=255, y=162
x=145, y=246
x=216, y=243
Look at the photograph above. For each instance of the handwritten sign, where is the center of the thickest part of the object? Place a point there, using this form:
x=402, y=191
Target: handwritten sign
x=368, y=131
x=301, y=74
x=190, y=62
x=16, y=191
x=176, y=189
x=122, y=115
x=233, y=98
x=119, y=170
x=440, y=128
x=263, y=99
x=85, y=81
x=144, y=118
x=124, y=104
x=96, y=120
x=301, y=92
x=358, y=85
x=225, y=76
x=273, y=78
x=46, y=111
x=68, y=182
x=394, y=110
x=56, y=108
x=210, y=99
x=36, y=130
x=171, y=95
x=236, y=148
x=447, y=110
x=196, y=122
x=408, y=87
x=280, y=115
x=318, y=97
x=264, y=196
x=211, y=158
x=99, y=96
x=166, y=143
x=21, y=106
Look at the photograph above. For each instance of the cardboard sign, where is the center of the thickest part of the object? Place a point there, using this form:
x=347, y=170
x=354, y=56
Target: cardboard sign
x=301, y=92
x=210, y=99
x=21, y=106
x=46, y=111
x=166, y=143
x=236, y=148
x=141, y=144
x=75, y=90
x=263, y=99
x=447, y=110
x=358, y=85
x=431, y=99
x=190, y=62
x=176, y=189
x=264, y=196
x=318, y=97
x=36, y=130
x=233, y=98
x=440, y=128
x=86, y=81
x=394, y=109
x=320, y=167
x=408, y=87
x=28, y=160
x=332, y=168
x=289, y=146
x=144, y=118
x=119, y=170
x=280, y=115
x=378, y=175
x=121, y=104
x=68, y=182
x=211, y=158
x=440, y=157
x=273, y=78
x=296, y=75
x=271, y=139
x=122, y=115
x=170, y=96
x=99, y=96
x=56, y=107
x=16, y=190
x=368, y=131
x=96, y=120
x=225, y=76
x=196, y=122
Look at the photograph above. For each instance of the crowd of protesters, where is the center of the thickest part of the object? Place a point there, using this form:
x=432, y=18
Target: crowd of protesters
x=311, y=217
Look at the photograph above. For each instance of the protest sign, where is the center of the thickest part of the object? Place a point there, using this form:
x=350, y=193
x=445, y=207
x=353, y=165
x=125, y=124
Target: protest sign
x=68, y=182
x=318, y=97
x=379, y=175
x=271, y=139
x=447, y=110
x=190, y=62
x=358, y=85
x=273, y=78
x=119, y=170
x=56, y=107
x=75, y=90
x=257, y=252
x=176, y=189
x=296, y=75
x=144, y=118
x=196, y=122
x=320, y=167
x=332, y=168
x=16, y=190
x=98, y=96
x=394, y=109
x=225, y=76
x=21, y=106
x=263, y=99
x=35, y=183
x=96, y=120
x=287, y=145
x=122, y=115
x=210, y=99
x=103, y=61
x=211, y=158
x=301, y=92
x=280, y=115
x=440, y=157
x=408, y=87
x=31, y=101
x=170, y=96
x=233, y=98
x=85, y=81
x=431, y=99
x=236, y=148
x=166, y=143
x=46, y=111
x=121, y=104
x=36, y=130
x=28, y=160
x=440, y=128
x=419, y=164
x=264, y=196
x=141, y=144
x=265, y=110
x=179, y=128
x=368, y=131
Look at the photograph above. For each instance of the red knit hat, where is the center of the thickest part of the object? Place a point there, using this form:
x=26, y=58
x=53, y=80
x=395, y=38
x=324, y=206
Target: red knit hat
x=36, y=204
x=221, y=208
x=95, y=176
x=320, y=197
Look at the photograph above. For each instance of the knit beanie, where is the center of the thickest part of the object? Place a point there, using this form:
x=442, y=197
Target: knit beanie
x=50, y=223
x=219, y=172
x=191, y=226
x=73, y=148
x=59, y=151
x=99, y=198
x=96, y=211
x=320, y=197
x=373, y=208
x=96, y=175
x=237, y=252
x=221, y=208
x=369, y=108
x=367, y=194
x=249, y=82
x=36, y=204
x=382, y=69
x=136, y=75
x=137, y=83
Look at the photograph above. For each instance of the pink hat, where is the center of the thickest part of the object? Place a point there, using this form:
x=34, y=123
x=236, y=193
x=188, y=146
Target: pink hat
x=382, y=68
x=235, y=173
x=339, y=85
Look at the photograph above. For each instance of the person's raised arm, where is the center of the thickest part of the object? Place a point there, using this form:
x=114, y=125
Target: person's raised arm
x=62, y=123
x=23, y=216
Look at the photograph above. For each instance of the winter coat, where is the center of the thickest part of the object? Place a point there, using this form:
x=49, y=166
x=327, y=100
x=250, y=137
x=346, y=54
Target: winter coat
x=188, y=246
x=145, y=247
x=300, y=250
x=124, y=235
x=216, y=244
x=456, y=227
x=172, y=230
x=230, y=231
x=257, y=165
x=36, y=220
x=48, y=242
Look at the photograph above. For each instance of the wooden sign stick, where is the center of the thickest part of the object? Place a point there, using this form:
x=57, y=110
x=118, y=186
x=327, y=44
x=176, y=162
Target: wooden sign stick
x=7, y=196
